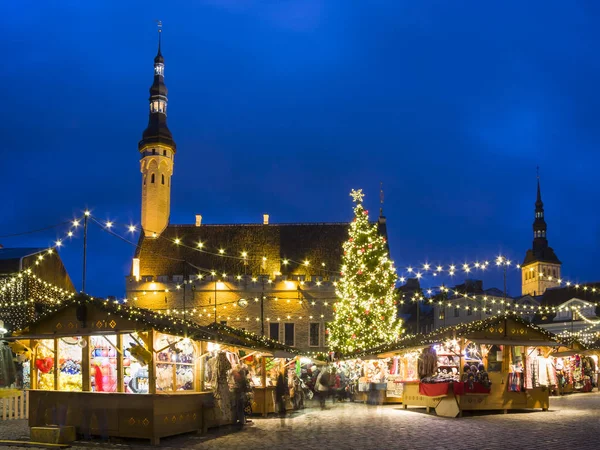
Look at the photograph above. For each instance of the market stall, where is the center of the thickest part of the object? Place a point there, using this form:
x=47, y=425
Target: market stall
x=113, y=370
x=501, y=363
x=264, y=365
x=576, y=369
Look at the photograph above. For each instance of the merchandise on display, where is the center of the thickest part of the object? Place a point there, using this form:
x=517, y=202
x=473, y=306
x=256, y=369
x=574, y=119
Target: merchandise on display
x=103, y=361
x=44, y=363
x=70, y=353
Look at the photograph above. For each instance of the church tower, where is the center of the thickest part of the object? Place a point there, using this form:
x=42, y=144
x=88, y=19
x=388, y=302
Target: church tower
x=541, y=268
x=157, y=153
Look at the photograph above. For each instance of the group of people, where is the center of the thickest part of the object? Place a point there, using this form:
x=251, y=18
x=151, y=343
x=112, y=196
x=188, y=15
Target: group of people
x=322, y=383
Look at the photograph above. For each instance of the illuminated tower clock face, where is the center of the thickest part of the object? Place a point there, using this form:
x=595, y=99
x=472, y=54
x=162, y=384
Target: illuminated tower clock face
x=159, y=69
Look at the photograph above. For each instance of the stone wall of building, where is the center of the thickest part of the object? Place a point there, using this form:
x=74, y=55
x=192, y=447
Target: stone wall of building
x=238, y=304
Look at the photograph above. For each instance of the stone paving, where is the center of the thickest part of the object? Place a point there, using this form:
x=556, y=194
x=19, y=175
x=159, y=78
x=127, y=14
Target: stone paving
x=573, y=422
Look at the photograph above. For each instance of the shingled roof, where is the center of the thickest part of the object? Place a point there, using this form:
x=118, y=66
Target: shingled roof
x=316, y=242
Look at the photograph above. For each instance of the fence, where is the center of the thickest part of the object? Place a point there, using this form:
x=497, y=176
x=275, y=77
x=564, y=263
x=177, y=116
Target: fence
x=14, y=404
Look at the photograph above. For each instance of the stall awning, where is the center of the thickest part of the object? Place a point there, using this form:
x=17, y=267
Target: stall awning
x=524, y=343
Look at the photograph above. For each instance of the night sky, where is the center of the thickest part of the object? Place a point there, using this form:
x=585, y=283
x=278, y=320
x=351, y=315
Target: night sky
x=282, y=107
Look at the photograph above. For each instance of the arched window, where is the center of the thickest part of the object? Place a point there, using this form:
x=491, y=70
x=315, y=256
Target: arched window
x=152, y=178
x=162, y=179
x=144, y=180
x=164, y=153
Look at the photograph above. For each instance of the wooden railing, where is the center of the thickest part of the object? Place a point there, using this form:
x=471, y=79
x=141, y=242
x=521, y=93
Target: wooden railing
x=14, y=404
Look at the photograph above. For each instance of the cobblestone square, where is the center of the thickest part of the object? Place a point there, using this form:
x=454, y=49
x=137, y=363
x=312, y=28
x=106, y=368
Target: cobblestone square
x=572, y=423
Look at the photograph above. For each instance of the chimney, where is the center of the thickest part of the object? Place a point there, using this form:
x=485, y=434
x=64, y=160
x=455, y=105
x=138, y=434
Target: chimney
x=265, y=219
x=198, y=220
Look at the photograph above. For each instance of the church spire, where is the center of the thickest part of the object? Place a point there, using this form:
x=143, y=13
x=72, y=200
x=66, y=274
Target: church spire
x=541, y=268
x=539, y=224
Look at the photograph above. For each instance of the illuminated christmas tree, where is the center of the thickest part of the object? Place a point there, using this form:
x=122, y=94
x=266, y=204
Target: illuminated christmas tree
x=365, y=313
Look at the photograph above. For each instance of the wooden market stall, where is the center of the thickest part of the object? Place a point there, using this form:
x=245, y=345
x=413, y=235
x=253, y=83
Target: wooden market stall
x=501, y=363
x=112, y=370
x=265, y=363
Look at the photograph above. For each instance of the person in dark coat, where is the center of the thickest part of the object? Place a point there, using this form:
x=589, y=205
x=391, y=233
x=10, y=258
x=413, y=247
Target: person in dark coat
x=281, y=391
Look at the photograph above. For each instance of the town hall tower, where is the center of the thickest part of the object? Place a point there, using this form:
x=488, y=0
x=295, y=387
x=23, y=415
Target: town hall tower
x=157, y=153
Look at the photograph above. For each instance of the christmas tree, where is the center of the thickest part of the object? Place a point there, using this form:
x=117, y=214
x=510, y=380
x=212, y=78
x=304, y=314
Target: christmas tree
x=365, y=313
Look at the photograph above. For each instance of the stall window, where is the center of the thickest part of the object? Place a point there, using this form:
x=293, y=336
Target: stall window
x=289, y=337
x=103, y=363
x=442, y=315
x=44, y=364
x=274, y=331
x=495, y=357
x=456, y=312
x=175, y=363
x=70, y=353
x=135, y=372
x=314, y=330
x=469, y=311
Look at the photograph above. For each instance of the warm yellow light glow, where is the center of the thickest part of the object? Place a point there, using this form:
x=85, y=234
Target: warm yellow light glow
x=109, y=224
x=200, y=245
x=58, y=243
x=76, y=223
x=220, y=285
x=285, y=262
x=87, y=213
x=177, y=241
x=132, y=229
x=221, y=251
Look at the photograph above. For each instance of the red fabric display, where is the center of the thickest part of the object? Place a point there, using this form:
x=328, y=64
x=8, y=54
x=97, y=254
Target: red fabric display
x=98, y=378
x=475, y=388
x=433, y=389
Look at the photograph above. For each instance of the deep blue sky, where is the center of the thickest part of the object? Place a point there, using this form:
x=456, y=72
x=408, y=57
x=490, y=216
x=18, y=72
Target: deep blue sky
x=284, y=106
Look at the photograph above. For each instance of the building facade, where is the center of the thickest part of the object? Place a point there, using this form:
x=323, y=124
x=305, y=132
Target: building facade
x=277, y=280
x=541, y=267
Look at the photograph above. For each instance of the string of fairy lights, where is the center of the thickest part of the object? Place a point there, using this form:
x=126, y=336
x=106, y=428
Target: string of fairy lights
x=469, y=302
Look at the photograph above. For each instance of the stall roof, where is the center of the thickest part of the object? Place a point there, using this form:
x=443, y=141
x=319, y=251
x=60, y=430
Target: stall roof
x=137, y=318
x=253, y=340
x=503, y=329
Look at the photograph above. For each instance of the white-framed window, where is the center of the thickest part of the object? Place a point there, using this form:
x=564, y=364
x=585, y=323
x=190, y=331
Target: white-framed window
x=314, y=334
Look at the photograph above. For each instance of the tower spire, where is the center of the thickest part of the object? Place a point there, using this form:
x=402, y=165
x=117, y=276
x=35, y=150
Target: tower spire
x=157, y=153
x=381, y=198
x=159, y=25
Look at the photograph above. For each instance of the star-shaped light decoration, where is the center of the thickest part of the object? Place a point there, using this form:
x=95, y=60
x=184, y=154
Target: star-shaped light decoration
x=357, y=196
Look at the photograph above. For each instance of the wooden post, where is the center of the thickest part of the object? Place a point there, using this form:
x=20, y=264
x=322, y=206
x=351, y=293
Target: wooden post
x=152, y=365
x=199, y=368
x=263, y=365
x=85, y=365
x=32, y=368
x=120, y=375
x=56, y=368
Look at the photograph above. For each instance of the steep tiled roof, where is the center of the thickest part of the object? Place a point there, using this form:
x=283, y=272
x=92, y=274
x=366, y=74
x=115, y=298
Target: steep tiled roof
x=543, y=255
x=316, y=242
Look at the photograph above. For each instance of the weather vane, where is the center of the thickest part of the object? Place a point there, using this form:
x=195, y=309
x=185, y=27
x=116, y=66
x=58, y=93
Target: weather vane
x=357, y=196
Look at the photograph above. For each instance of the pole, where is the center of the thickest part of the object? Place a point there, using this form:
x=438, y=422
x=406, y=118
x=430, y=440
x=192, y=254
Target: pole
x=418, y=316
x=185, y=276
x=262, y=308
x=215, y=301
x=505, y=284
x=85, y=227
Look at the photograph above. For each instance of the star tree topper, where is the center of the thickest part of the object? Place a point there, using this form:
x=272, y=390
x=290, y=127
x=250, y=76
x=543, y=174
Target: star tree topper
x=357, y=196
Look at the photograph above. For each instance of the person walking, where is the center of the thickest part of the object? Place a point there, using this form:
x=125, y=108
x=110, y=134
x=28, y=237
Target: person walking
x=281, y=392
x=322, y=386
